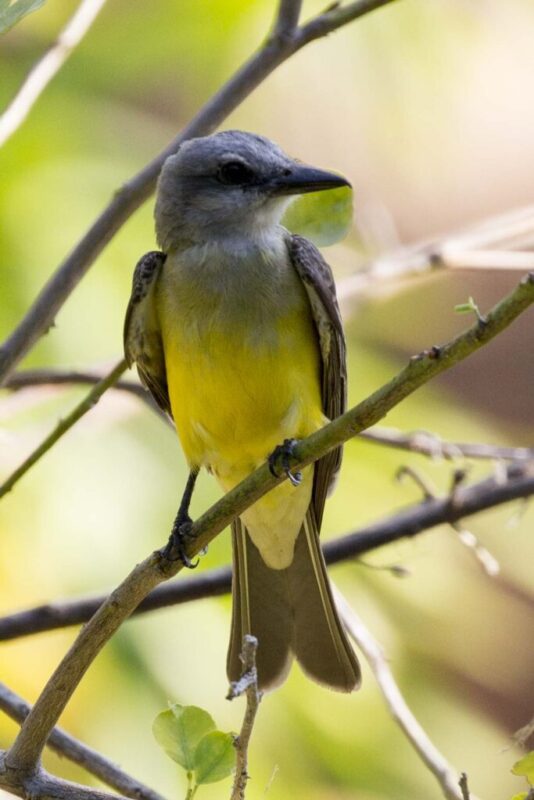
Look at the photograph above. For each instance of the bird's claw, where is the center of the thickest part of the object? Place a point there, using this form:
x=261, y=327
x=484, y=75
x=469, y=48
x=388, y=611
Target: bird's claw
x=175, y=548
x=281, y=458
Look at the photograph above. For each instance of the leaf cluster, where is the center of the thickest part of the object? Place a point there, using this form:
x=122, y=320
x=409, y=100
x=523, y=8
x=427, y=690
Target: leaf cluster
x=189, y=736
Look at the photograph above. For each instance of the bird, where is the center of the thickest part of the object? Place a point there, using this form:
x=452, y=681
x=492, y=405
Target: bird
x=235, y=329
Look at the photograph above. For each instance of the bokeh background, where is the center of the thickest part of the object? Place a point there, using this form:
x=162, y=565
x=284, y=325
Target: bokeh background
x=427, y=106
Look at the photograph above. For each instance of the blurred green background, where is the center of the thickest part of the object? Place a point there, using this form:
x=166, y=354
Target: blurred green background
x=427, y=107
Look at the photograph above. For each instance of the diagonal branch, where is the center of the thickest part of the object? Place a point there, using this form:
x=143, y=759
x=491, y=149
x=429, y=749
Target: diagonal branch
x=397, y=706
x=26, y=750
x=18, y=709
x=39, y=785
x=488, y=493
x=134, y=192
x=63, y=426
x=42, y=73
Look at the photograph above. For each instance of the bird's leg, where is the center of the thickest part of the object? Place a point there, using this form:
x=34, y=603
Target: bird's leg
x=181, y=528
x=280, y=461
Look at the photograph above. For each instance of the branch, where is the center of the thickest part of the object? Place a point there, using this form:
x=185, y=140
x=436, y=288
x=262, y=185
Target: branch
x=430, y=444
x=274, y=52
x=248, y=685
x=63, y=426
x=18, y=709
x=489, y=493
x=44, y=70
x=31, y=378
x=27, y=748
x=423, y=442
x=39, y=785
x=490, y=244
x=437, y=764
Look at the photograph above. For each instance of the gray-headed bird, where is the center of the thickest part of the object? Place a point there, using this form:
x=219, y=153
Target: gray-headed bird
x=235, y=330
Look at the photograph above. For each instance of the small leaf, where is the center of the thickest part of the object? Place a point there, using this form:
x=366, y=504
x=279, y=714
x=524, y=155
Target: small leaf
x=520, y=796
x=11, y=13
x=179, y=730
x=463, y=308
x=525, y=767
x=214, y=757
x=324, y=217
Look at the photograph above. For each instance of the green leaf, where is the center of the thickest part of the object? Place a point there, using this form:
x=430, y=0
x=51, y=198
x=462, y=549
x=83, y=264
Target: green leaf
x=324, y=217
x=179, y=730
x=468, y=308
x=525, y=767
x=214, y=757
x=11, y=13
x=520, y=796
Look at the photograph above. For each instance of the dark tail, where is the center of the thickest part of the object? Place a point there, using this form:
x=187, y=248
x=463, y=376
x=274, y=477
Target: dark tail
x=291, y=612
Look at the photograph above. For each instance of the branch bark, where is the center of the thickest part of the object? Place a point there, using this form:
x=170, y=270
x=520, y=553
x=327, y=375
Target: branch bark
x=446, y=776
x=60, y=742
x=274, y=52
x=247, y=685
x=26, y=750
x=486, y=494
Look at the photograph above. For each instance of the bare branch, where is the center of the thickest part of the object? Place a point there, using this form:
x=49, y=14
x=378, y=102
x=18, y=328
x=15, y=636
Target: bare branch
x=30, y=378
x=464, y=787
x=39, y=785
x=410, y=522
x=447, y=778
x=248, y=685
x=42, y=73
x=27, y=748
x=288, y=18
x=63, y=426
x=430, y=444
x=501, y=236
x=18, y=709
x=274, y=52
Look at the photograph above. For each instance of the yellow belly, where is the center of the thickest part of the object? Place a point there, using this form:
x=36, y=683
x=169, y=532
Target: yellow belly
x=233, y=403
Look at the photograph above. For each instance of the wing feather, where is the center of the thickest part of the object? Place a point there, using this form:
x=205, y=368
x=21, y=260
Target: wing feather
x=143, y=344
x=319, y=283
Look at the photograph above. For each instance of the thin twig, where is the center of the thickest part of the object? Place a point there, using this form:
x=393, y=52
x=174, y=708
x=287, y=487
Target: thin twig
x=434, y=760
x=18, y=709
x=34, y=378
x=430, y=444
x=63, y=426
x=501, y=234
x=31, y=378
x=44, y=70
x=464, y=787
x=410, y=522
x=259, y=66
x=27, y=748
x=248, y=685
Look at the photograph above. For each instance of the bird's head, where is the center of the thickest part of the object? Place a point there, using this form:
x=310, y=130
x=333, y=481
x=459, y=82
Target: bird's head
x=229, y=184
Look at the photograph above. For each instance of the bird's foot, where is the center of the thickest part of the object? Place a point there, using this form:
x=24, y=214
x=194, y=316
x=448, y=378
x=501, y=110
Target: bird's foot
x=280, y=461
x=175, y=549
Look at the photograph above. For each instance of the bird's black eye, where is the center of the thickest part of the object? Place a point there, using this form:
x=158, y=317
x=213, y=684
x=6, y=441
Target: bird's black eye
x=235, y=173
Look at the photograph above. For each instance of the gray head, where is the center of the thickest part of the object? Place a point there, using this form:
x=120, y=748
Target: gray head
x=230, y=184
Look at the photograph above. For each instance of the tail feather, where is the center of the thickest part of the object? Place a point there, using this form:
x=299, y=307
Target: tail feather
x=260, y=605
x=291, y=612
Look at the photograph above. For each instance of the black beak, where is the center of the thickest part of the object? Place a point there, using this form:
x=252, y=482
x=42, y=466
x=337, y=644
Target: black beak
x=301, y=179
